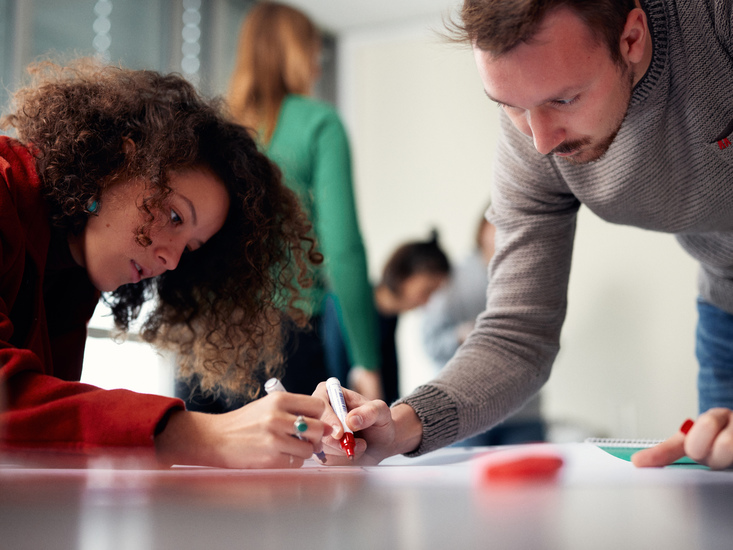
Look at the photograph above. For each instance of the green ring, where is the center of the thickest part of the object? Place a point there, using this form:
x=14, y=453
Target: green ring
x=300, y=426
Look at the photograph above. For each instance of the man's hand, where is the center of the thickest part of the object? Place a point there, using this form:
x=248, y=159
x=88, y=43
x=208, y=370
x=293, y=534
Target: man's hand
x=380, y=431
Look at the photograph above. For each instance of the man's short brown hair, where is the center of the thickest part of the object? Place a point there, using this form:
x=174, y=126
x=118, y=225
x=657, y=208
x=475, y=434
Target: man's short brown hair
x=497, y=26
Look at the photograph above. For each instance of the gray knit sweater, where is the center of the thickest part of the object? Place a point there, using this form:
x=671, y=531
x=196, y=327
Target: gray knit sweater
x=670, y=169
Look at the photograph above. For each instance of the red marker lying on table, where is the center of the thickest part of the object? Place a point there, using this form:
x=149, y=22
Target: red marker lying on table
x=526, y=464
x=338, y=404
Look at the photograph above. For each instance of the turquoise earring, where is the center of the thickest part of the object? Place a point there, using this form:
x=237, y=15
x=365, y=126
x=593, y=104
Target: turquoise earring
x=92, y=206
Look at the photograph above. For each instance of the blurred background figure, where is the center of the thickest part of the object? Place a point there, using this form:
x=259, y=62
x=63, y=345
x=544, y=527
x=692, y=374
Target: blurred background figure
x=448, y=318
x=413, y=272
x=276, y=68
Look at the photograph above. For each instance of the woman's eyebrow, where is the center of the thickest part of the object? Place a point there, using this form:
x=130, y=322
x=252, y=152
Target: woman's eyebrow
x=190, y=206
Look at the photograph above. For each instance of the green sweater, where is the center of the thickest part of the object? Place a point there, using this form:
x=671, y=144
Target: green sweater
x=311, y=148
x=669, y=169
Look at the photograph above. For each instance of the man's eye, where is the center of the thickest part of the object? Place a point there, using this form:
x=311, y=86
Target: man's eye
x=564, y=102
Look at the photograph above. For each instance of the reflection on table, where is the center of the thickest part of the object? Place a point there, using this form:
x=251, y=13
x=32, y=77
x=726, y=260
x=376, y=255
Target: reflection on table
x=441, y=501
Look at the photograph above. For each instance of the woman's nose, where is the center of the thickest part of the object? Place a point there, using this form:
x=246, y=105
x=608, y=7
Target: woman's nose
x=170, y=254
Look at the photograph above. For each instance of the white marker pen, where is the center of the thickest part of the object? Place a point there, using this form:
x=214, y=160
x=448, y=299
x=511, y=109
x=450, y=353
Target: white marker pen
x=336, y=396
x=274, y=384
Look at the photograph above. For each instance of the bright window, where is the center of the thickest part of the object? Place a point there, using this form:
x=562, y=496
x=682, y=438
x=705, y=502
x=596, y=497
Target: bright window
x=132, y=364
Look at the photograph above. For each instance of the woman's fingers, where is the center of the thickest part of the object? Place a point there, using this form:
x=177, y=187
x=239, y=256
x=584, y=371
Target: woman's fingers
x=296, y=403
x=709, y=440
x=665, y=453
x=289, y=426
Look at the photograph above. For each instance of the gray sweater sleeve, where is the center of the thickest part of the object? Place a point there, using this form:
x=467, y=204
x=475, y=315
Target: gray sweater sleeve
x=508, y=356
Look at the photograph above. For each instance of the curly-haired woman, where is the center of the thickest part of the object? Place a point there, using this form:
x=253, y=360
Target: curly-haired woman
x=128, y=185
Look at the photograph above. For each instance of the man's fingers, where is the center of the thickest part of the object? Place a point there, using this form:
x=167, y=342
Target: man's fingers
x=354, y=399
x=362, y=412
x=373, y=413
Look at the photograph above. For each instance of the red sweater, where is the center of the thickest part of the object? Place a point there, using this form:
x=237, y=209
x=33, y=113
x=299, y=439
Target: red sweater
x=46, y=302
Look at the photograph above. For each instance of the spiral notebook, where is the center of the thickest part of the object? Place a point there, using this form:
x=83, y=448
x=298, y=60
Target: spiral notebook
x=624, y=448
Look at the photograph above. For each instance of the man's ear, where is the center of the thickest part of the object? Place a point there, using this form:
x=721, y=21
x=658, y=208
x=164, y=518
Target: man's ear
x=634, y=36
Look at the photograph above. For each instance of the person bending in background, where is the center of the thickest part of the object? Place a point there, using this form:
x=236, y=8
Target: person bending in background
x=129, y=185
x=413, y=272
x=449, y=317
x=276, y=67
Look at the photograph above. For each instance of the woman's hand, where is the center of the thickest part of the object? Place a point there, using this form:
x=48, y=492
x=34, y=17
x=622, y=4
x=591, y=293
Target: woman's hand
x=708, y=441
x=258, y=435
x=380, y=431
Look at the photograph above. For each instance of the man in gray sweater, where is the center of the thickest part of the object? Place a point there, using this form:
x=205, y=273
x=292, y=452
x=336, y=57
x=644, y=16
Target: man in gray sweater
x=623, y=107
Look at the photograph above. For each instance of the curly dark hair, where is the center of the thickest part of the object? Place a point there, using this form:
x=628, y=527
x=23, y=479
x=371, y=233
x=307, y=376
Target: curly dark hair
x=222, y=309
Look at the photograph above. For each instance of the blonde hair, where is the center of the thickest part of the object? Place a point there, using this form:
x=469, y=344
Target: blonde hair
x=276, y=56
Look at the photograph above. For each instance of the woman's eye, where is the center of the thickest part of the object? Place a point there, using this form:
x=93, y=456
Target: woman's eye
x=175, y=218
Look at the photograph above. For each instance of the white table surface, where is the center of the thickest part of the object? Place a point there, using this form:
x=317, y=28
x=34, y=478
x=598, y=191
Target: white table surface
x=439, y=501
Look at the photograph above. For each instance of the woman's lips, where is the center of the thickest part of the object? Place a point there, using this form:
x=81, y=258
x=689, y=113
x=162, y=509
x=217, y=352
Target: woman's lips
x=137, y=272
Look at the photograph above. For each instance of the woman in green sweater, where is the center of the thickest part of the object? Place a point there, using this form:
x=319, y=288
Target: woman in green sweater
x=277, y=65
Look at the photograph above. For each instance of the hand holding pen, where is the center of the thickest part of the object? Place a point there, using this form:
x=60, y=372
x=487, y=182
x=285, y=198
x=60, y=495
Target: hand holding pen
x=372, y=420
x=300, y=426
x=338, y=404
x=257, y=435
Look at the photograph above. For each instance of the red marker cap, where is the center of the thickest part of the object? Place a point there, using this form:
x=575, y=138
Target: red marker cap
x=348, y=443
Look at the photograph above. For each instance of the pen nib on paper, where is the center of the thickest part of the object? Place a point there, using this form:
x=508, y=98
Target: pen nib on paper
x=347, y=444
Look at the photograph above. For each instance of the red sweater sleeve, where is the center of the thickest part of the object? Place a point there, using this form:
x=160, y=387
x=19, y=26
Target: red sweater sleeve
x=42, y=403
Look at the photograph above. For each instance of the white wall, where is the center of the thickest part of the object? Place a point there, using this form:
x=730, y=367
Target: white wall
x=423, y=136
